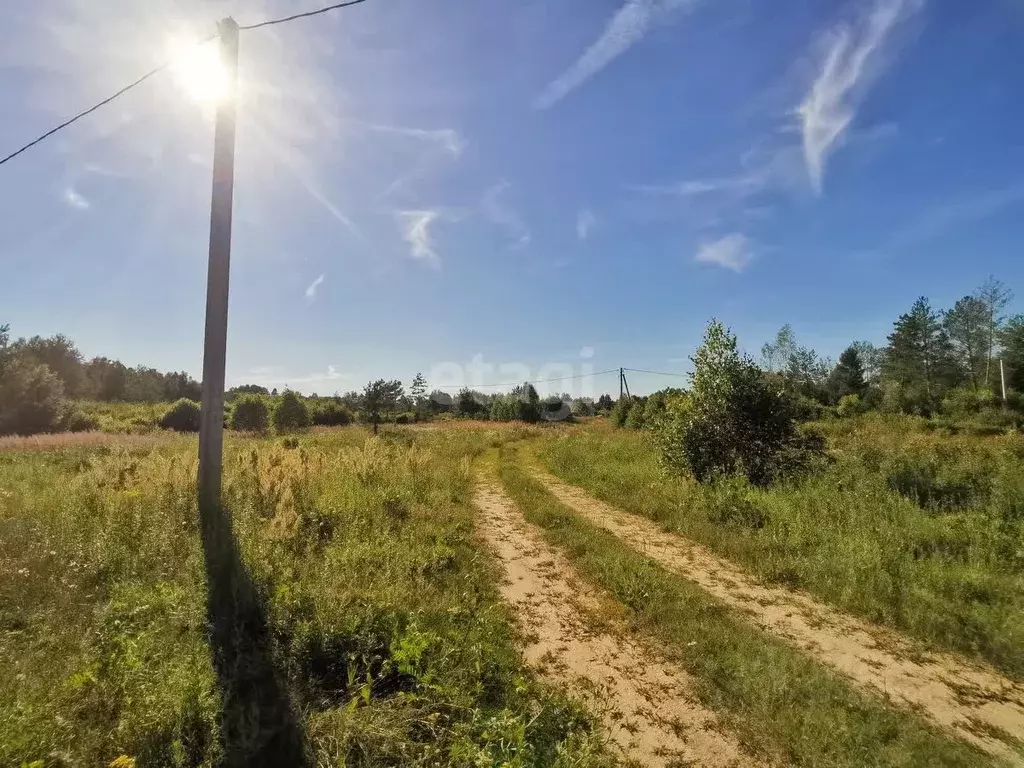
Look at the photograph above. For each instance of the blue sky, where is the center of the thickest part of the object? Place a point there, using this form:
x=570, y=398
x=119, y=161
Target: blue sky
x=540, y=183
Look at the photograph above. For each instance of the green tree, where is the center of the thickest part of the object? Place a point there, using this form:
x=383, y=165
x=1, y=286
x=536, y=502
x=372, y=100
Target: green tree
x=620, y=411
x=604, y=404
x=967, y=326
x=920, y=358
x=31, y=395
x=847, y=378
x=1011, y=339
x=250, y=414
x=732, y=422
x=529, y=402
x=417, y=390
x=996, y=297
x=182, y=416
x=776, y=354
x=470, y=404
x=59, y=354
x=290, y=413
x=379, y=397
x=871, y=358
x=583, y=406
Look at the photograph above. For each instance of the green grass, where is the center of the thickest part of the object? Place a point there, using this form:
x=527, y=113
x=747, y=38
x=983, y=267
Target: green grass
x=779, y=701
x=373, y=631
x=906, y=527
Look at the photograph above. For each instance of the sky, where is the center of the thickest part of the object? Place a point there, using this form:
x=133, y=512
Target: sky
x=492, y=191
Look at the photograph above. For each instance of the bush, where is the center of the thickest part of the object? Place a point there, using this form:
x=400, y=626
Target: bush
x=620, y=412
x=76, y=421
x=636, y=419
x=849, y=405
x=964, y=401
x=183, y=416
x=733, y=423
x=582, y=406
x=31, y=399
x=291, y=413
x=250, y=414
x=330, y=414
x=505, y=408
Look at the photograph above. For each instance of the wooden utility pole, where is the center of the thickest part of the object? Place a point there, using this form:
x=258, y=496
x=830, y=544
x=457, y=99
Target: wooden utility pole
x=211, y=425
x=622, y=379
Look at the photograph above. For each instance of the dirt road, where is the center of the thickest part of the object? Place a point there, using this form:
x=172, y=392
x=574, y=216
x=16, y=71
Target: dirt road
x=645, y=703
x=973, y=702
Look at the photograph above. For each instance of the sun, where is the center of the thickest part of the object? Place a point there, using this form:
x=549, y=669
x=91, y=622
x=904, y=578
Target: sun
x=199, y=70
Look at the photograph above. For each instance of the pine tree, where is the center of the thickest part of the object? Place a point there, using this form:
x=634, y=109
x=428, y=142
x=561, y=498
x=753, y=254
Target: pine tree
x=847, y=378
x=920, y=357
x=995, y=297
x=968, y=326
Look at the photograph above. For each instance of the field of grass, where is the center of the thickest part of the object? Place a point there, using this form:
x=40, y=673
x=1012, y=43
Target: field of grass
x=786, y=707
x=366, y=628
x=908, y=527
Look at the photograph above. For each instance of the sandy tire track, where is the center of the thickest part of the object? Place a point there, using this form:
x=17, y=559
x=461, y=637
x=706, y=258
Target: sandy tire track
x=972, y=701
x=646, y=703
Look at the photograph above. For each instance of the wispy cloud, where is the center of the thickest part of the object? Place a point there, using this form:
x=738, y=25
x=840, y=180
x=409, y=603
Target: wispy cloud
x=730, y=252
x=75, y=199
x=936, y=220
x=311, y=289
x=447, y=139
x=498, y=211
x=851, y=59
x=585, y=222
x=416, y=231
x=625, y=29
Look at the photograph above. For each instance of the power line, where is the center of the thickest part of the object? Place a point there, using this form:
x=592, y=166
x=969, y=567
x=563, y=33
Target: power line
x=535, y=381
x=164, y=66
x=305, y=15
x=657, y=373
x=93, y=108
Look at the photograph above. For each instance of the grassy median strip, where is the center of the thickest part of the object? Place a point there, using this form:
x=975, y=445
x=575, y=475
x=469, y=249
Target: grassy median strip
x=780, y=702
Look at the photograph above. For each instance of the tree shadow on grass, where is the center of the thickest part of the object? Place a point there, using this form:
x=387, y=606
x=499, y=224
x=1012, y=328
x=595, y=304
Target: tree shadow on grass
x=259, y=725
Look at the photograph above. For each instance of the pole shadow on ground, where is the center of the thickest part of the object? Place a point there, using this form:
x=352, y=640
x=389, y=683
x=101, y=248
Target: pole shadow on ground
x=259, y=724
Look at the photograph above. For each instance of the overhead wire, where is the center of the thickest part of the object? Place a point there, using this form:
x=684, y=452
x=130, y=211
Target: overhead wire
x=535, y=381
x=656, y=373
x=166, y=65
x=96, y=106
x=305, y=15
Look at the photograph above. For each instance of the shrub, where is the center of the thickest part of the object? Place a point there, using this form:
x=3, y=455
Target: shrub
x=330, y=414
x=182, y=416
x=76, y=421
x=250, y=414
x=291, y=413
x=620, y=412
x=963, y=401
x=505, y=408
x=637, y=413
x=734, y=423
x=849, y=405
x=31, y=399
x=583, y=406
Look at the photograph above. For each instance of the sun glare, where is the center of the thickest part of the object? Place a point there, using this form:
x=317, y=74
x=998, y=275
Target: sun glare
x=199, y=70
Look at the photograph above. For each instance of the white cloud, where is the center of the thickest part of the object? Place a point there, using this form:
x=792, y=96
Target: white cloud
x=625, y=29
x=75, y=199
x=311, y=290
x=585, y=222
x=496, y=210
x=730, y=252
x=416, y=231
x=850, y=60
x=447, y=139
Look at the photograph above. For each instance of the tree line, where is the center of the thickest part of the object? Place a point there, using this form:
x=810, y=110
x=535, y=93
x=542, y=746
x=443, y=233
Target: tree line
x=934, y=360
